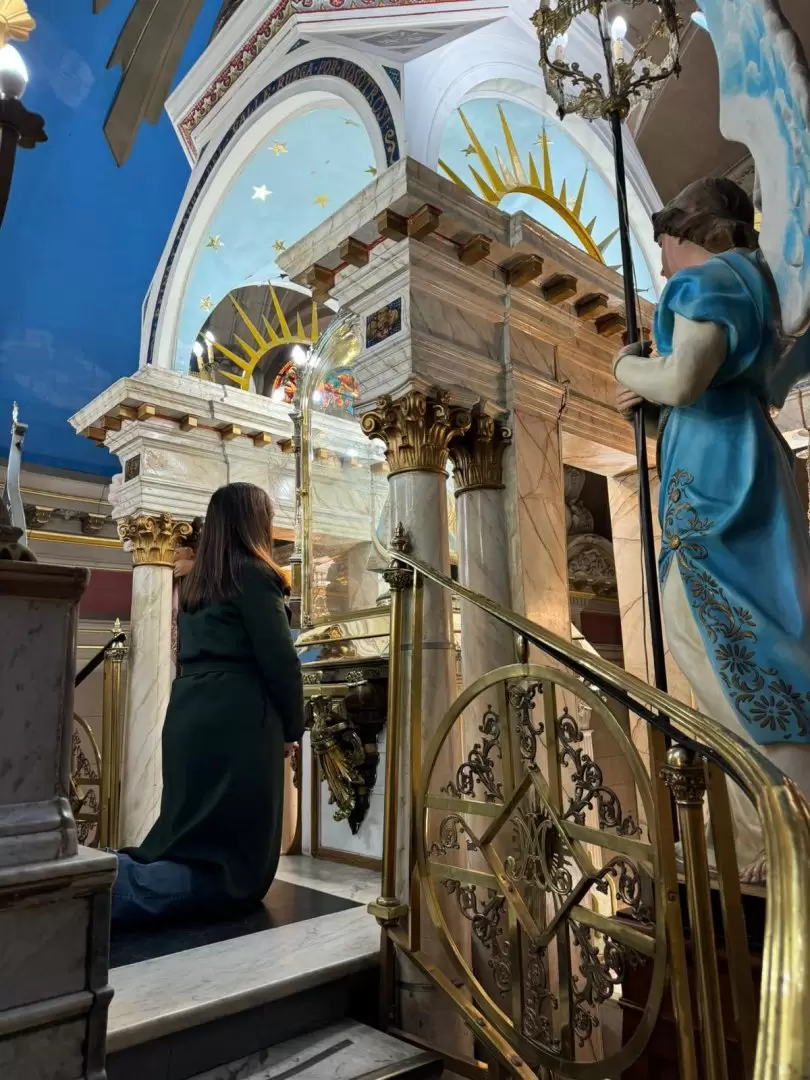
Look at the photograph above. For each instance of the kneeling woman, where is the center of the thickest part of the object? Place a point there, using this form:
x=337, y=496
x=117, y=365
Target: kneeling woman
x=236, y=710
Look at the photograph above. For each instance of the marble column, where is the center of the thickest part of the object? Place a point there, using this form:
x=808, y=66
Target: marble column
x=483, y=542
x=417, y=430
x=153, y=539
x=536, y=508
x=626, y=528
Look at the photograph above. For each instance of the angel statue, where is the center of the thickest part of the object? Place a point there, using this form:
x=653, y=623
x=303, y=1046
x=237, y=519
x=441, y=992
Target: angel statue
x=734, y=566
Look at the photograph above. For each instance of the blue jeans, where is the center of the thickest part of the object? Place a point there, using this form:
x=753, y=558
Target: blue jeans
x=145, y=891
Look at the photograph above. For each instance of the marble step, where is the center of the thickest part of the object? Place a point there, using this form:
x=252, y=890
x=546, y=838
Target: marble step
x=343, y=1051
x=175, y=1016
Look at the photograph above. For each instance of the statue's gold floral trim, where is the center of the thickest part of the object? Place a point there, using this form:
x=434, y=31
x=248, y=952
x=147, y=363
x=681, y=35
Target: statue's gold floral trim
x=758, y=695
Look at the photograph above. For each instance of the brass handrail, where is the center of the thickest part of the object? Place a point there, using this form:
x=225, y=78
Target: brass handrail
x=783, y=1045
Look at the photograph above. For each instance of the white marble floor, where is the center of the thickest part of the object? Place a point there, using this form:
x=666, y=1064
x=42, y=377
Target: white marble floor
x=172, y=993
x=350, y=882
x=343, y=1051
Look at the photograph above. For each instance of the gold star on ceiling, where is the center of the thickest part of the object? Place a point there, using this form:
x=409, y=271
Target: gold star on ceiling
x=206, y=303
x=214, y=243
x=262, y=193
x=469, y=150
x=322, y=200
x=279, y=246
x=279, y=148
x=371, y=170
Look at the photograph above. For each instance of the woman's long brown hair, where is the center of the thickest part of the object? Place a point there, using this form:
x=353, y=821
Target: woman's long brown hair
x=238, y=528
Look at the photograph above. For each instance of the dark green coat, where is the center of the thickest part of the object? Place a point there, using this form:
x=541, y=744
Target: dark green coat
x=238, y=699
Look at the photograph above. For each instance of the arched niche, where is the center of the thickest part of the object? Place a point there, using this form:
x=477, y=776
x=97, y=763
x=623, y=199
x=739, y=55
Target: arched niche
x=317, y=95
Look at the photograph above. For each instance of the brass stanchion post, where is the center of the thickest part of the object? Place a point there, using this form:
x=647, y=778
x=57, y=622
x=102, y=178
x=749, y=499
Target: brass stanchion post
x=686, y=780
x=112, y=741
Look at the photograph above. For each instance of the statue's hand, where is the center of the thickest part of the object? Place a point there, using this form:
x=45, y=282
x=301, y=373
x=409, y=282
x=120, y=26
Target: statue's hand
x=627, y=401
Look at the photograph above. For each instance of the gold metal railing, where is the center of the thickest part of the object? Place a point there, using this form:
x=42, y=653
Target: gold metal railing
x=516, y=849
x=96, y=764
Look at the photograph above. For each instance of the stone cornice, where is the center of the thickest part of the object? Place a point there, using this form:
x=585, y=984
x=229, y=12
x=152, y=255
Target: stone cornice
x=406, y=187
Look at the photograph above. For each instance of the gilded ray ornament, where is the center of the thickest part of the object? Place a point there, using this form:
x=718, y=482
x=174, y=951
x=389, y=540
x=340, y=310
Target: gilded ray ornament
x=509, y=175
x=262, y=342
x=16, y=21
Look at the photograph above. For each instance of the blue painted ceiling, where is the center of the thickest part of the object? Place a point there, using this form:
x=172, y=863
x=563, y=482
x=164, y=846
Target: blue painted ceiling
x=81, y=238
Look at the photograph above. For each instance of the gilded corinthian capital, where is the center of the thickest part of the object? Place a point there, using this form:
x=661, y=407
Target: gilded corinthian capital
x=417, y=429
x=477, y=455
x=154, y=537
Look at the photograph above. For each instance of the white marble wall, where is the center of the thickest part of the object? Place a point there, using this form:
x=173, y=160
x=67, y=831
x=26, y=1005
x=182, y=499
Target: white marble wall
x=150, y=679
x=537, y=522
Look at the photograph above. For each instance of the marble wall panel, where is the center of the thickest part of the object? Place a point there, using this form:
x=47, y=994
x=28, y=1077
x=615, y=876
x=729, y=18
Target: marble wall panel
x=463, y=329
x=51, y=1053
x=42, y=951
x=531, y=353
x=539, y=557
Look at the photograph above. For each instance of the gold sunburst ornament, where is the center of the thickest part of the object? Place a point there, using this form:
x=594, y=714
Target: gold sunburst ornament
x=16, y=21
x=281, y=334
x=500, y=179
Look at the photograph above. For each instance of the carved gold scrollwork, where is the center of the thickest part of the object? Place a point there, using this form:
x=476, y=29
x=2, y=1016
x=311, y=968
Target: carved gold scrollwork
x=154, y=537
x=417, y=430
x=340, y=753
x=85, y=782
x=589, y=783
x=477, y=454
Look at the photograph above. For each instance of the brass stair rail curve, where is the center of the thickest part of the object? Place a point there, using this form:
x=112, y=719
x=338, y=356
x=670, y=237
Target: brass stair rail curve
x=783, y=1045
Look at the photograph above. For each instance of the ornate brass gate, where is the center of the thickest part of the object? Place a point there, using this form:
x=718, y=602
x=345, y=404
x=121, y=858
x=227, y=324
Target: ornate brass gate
x=509, y=842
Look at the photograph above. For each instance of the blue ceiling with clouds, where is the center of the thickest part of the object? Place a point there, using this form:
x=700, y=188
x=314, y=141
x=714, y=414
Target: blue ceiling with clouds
x=81, y=238
x=307, y=168
x=568, y=163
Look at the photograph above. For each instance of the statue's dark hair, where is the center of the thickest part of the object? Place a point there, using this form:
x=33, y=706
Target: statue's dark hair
x=716, y=214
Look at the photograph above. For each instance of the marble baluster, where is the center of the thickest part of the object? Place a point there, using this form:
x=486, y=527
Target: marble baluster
x=417, y=430
x=153, y=539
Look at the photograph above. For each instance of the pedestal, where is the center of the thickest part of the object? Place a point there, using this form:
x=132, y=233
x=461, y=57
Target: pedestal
x=153, y=540
x=54, y=897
